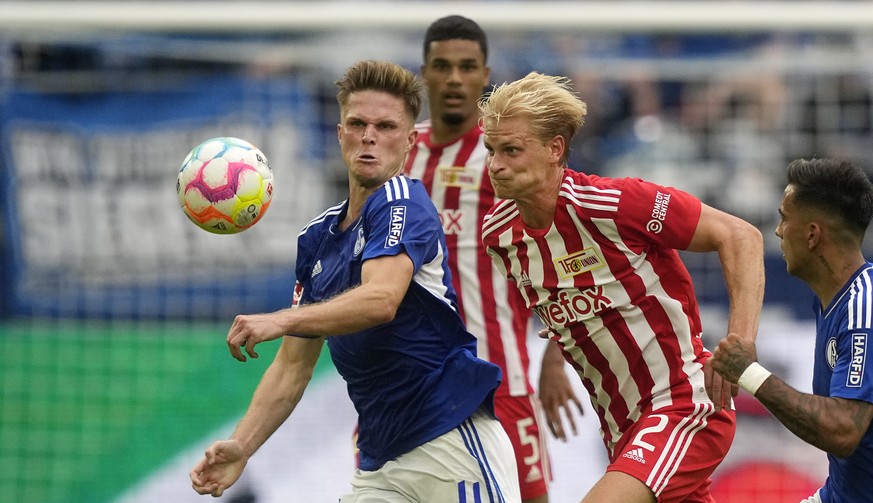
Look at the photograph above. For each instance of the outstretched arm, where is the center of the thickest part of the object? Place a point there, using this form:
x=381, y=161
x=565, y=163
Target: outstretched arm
x=384, y=282
x=834, y=425
x=740, y=248
x=274, y=399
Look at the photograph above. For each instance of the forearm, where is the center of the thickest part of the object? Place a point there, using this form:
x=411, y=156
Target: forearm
x=352, y=311
x=742, y=261
x=278, y=393
x=831, y=424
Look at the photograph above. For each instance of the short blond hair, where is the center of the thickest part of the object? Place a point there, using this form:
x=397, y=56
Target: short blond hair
x=547, y=102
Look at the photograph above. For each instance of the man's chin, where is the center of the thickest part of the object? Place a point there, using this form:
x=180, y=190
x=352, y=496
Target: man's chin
x=454, y=119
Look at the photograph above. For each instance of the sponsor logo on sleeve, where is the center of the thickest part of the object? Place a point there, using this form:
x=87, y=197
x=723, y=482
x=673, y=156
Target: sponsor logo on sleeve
x=577, y=263
x=659, y=213
x=856, y=366
x=396, y=224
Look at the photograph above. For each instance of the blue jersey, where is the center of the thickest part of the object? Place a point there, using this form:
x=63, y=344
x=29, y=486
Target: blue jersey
x=416, y=377
x=843, y=337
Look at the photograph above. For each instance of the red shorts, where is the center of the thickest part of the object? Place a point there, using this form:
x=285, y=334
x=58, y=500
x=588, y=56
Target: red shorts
x=675, y=450
x=519, y=416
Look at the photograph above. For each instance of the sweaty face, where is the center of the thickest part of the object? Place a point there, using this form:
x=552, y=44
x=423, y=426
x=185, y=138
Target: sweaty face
x=455, y=75
x=375, y=133
x=518, y=162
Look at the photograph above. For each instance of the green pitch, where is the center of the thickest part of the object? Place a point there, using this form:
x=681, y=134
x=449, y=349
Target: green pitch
x=88, y=408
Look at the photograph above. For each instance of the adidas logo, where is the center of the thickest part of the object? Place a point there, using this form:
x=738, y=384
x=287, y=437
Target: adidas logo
x=636, y=455
x=533, y=475
x=316, y=269
x=525, y=279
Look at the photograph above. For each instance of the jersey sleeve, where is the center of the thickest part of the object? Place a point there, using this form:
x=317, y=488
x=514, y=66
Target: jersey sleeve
x=303, y=272
x=851, y=378
x=653, y=213
x=402, y=219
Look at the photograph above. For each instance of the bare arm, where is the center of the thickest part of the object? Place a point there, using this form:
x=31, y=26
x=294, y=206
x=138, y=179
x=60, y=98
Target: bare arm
x=834, y=425
x=384, y=282
x=740, y=248
x=556, y=392
x=275, y=398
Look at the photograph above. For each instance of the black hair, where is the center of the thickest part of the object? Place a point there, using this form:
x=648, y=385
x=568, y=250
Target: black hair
x=455, y=27
x=834, y=186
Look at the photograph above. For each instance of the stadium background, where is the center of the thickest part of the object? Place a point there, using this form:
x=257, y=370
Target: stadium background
x=113, y=307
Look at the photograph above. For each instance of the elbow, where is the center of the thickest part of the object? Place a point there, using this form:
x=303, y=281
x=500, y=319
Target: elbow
x=844, y=445
x=384, y=311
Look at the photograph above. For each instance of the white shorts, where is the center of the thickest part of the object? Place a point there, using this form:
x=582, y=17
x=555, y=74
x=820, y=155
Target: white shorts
x=472, y=463
x=815, y=498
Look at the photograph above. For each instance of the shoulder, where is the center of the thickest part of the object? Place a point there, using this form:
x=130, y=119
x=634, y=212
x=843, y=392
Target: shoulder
x=499, y=217
x=398, y=191
x=592, y=192
x=323, y=219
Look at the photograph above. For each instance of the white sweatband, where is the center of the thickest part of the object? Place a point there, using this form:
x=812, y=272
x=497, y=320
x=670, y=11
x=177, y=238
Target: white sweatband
x=753, y=377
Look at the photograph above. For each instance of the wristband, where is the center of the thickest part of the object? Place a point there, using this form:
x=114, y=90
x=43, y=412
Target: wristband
x=753, y=377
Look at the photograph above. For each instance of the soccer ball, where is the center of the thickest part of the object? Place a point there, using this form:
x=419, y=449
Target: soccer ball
x=225, y=185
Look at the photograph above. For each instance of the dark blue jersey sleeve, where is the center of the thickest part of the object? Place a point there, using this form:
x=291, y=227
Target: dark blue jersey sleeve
x=400, y=218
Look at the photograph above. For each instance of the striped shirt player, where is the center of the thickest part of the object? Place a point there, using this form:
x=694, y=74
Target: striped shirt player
x=606, y=278
x=416, y=378
x=844, y=333
x=457, y=181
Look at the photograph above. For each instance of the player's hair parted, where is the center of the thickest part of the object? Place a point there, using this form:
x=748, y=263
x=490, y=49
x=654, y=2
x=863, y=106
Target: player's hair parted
x=836, y=187
x=546, y=102
x=382, y=76
x=452, y=28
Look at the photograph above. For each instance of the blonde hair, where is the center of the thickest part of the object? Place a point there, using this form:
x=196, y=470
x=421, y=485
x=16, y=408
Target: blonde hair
x=547, y=102
x=382, y=76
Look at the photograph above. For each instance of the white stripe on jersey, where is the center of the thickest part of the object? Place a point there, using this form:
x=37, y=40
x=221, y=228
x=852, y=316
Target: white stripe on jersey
x=396, y=188
x=860, y=305
x=591, y=197
x=430, y=276
x=333, y=210
x=501, y=213
x=677, y=445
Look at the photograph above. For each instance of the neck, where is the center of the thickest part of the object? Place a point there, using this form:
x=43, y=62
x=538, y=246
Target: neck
x=538, y=210
x=441, y=132
x=833, y=272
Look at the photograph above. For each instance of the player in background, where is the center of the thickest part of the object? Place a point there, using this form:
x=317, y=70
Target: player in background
x=372, y=279
x=449, y=158
x=596, y=258
x=825, y=211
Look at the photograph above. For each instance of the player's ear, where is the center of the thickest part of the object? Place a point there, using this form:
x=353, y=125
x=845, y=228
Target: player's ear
x=813, y=235
x=556, y=147
x=412, y=139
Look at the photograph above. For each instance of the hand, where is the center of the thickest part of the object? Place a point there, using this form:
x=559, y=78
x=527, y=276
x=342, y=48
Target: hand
x=733, y=355
x=555, y=393
x=720, y=390
x=219, y=469
x=249, y=330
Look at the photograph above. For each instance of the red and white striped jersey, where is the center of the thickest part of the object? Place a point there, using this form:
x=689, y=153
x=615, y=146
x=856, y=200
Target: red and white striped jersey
x=607, y=278
x=456, y=178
